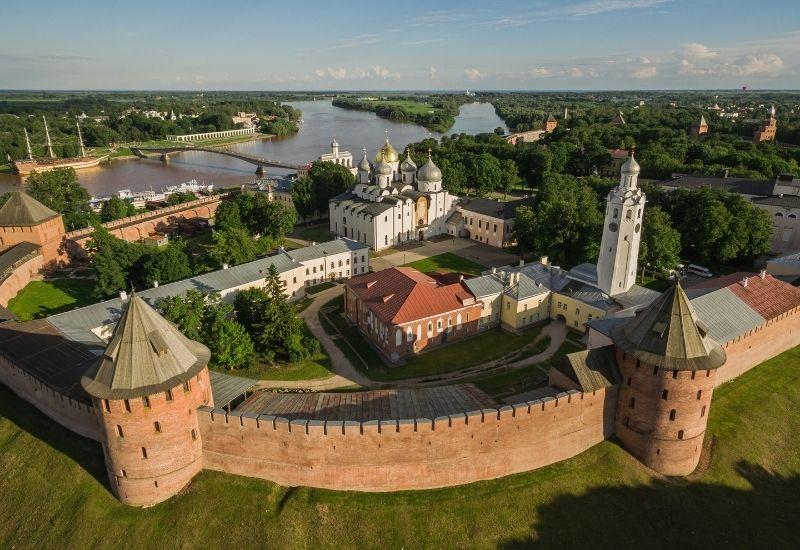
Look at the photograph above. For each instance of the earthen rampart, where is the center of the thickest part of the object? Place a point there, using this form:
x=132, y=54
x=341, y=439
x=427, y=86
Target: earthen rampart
x=417, y=453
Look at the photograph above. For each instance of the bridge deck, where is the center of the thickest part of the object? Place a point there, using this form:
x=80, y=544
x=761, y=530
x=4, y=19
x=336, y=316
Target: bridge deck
x=252, y=159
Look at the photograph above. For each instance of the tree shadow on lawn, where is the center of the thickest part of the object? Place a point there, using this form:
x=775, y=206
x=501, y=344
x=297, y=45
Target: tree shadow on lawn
x=85, y=452
x=675, y=513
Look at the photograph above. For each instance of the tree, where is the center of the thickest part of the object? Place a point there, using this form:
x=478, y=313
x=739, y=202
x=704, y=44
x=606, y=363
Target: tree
x=228, y=215
x=180, y=197
x=661, y=243
x=535, y=162
x=486, y=173
x=329, y=180
x=303, y=197
x=510, y=175
x=187, y=312
x=564, y=222
x=165, y=265
x=230, y=345
x=266, y=218
x=112, y=260
x=233, y=246
x=59, y=190
x=115, y=208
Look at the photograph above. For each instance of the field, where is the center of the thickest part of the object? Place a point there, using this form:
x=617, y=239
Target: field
x=42, y=298
x=414, y=107
x=446, y=263
x=55, y=494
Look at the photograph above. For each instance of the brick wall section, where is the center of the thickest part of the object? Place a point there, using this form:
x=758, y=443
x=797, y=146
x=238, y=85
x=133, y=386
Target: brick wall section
x=644, y=425
x=770, y=339
x=407, y=454
x=73, y=415
x=21, y=276
x=174, y=455
x=48, y=235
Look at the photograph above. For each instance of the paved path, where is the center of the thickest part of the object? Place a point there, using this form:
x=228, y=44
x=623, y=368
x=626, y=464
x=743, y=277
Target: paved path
x=345, y=374
x=483, y=254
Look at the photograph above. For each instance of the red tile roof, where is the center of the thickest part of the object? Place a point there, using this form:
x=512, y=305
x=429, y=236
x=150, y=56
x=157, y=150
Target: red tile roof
x=618, y=153
x=402, y=294
x=769, y=297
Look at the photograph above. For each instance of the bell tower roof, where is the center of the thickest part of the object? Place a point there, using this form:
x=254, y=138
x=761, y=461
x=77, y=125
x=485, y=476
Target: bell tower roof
x=669, y=335
x=631, y=166
x=146, y=354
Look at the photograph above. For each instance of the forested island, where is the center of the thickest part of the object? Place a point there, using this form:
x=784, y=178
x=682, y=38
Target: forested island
x=437, y=113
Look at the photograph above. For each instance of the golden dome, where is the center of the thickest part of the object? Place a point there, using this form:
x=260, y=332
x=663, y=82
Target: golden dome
x=387, y=153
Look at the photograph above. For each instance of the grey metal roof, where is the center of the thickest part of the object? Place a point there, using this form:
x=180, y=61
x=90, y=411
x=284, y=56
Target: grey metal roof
x=606, y=324
x=590, y=296
x=586, y=273
x=785, y=201
x=637, y=296
x=533, y=275
x=145, y=355
x=485, y=285
x=591, y=369
x=725, y=315
x=496, y=209
x=455, y=218
x=320, y=250
x=78, y=323
x=226, y=388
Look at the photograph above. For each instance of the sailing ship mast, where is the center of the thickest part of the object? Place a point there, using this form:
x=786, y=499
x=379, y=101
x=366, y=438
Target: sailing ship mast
x=80, y=138
x=28, y=144
x=49, y=143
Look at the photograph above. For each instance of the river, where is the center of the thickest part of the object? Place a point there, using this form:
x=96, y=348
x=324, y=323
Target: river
x=322, y=121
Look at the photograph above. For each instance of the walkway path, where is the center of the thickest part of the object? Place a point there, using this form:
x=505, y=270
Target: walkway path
x=483, y=254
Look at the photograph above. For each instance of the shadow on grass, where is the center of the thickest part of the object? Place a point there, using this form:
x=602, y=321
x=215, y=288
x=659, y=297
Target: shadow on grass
x=85, y=452
x=762, y=513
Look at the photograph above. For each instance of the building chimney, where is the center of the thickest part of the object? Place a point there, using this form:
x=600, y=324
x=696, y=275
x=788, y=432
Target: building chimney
x=225, y=266
x=543, y=260
x=313, y=243
x=155, y=284
x=744, y=282
x=461, y=278
x=123, y=295
x=494, y=270
x=521, y=262
x=763, y=274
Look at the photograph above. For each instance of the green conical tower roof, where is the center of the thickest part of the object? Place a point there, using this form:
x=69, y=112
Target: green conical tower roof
x=23, y=210
x=145, y=355
x=668, y=334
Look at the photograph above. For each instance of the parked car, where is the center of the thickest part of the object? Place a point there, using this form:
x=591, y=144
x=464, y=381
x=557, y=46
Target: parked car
x=699, y=270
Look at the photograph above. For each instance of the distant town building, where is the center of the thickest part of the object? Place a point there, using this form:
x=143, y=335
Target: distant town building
x=700, y=128
x=487, y=221
x=524, y=137
x=336, y=156
x=768, y=128
x=618, y=120
x=248, y=120
x=618, y=156
x=550, y=124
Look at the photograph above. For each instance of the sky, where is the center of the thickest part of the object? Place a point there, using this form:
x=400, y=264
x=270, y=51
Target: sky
x=409, y=45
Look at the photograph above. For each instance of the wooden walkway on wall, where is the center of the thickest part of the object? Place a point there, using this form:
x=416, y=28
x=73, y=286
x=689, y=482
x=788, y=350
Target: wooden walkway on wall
x=370, y=405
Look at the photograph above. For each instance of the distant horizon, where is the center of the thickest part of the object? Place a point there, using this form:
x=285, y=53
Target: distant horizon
x=392, y=91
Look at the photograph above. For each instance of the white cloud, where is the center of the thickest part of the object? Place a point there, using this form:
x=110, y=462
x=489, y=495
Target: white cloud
x=760, y=64
x=376, y=72
x=645, y=72
x=432, y=72
x=581, y=9
x=580, y=72
x=474, y=74
x=695, y=50
x=541, y=72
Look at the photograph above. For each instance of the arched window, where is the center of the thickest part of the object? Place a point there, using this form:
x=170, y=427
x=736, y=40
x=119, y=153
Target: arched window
x=419, y=331
x=616, y=213
x=458, y=321
x=628, y=214
x=439, y=325
x=778, y=214
x=398, y=337
x=680, y=434
x=409, y=334
x=632, y=402
x=792, y=216
x=664, y=394
x=672, y=414
x=430, y=328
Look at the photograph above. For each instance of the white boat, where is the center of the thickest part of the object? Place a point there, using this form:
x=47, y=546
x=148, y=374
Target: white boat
x=191, y=186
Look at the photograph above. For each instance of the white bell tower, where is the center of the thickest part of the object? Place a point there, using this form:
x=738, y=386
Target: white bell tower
x=622, y=232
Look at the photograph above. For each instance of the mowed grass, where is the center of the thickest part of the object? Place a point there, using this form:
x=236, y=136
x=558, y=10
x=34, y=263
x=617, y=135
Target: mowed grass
x=447, y=263
x=55, y=494
x=41, y=298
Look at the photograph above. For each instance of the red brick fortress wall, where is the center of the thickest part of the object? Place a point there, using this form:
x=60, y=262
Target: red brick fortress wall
x=407, y=454
x=21, y=276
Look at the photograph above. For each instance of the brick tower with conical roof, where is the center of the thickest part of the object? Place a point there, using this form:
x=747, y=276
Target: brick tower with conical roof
x=24, y=219
x=668, y=365
x=146, y=389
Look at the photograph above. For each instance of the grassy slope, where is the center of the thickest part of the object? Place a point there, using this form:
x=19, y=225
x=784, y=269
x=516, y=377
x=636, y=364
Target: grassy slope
x=603, y=497
x=447, y=262
x=41, y=298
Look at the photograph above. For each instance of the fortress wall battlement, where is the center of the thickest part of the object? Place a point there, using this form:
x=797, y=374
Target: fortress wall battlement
x=73, y=415
x=419, y=453
x=761, y=344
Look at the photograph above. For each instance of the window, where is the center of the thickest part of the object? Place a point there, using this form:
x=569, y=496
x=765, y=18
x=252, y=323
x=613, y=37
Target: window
x=664, y=394
x=508, y=306
x=409, y=334
x=186, y=386
x=119, y=431
x=632, y=403
x=106, y=405
x=430, y=328
x=168, y=395
x=398, y=337
x=146, y=402
x=439, y=325
x=675, y=374
x=655, y=370
x=449, y=322
x=194, y=434
x=495, y=228
x=340, y=263
x=157, y=427
x=577, y=311
x=680, y=434
x=672, y=415
x=127, y=406
x=703, y=411
x=306, y=271
x=699, y=394
x=294, y=280
x=144, y=452
x=627, y=420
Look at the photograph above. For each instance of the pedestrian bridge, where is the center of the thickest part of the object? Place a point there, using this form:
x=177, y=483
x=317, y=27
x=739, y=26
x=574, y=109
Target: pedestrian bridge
x=260, y=163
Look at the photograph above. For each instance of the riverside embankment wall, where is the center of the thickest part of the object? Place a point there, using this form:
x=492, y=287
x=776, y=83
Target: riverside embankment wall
x=407, y=454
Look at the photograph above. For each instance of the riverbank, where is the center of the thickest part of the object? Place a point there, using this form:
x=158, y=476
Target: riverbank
x=124, y=150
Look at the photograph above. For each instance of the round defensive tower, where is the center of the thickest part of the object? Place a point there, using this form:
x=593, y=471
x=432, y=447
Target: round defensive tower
x=146, y=389
x=668, y=368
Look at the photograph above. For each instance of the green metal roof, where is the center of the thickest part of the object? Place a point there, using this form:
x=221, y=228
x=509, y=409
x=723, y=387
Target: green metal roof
x=23, y=210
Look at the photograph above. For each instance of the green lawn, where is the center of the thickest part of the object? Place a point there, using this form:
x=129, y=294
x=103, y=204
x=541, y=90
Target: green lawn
x=317, y=233
x=42, y=298
x=55, y=494
x=316, y=289
x=446, y=263
x=312, y=368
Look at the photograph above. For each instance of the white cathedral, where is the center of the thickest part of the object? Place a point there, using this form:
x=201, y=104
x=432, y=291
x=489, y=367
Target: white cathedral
x=392, y=202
